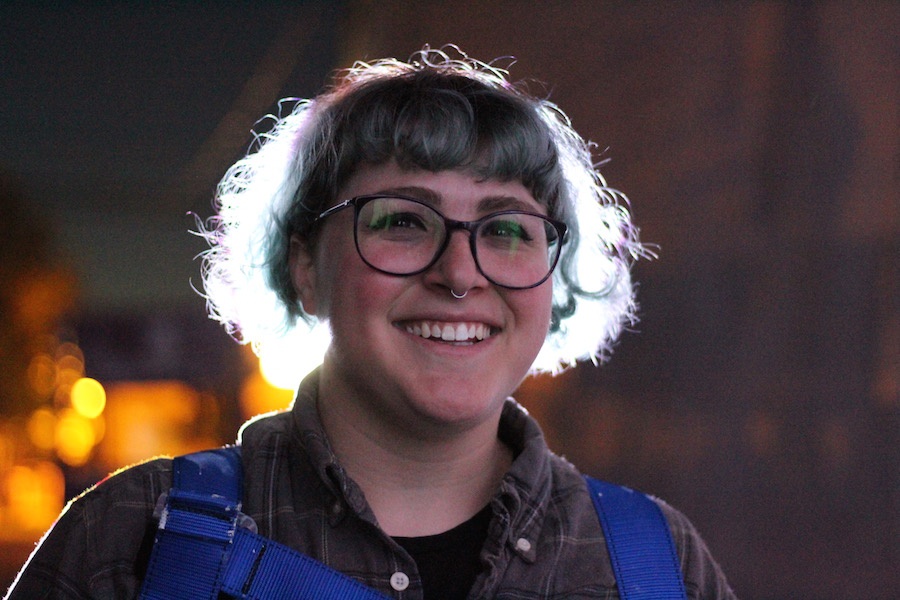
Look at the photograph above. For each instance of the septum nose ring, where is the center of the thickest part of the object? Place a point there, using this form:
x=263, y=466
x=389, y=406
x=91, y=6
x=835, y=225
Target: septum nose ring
x=458, y=296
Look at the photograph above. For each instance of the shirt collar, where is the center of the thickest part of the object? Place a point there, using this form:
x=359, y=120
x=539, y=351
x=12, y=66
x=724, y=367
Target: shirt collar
x=523, y=495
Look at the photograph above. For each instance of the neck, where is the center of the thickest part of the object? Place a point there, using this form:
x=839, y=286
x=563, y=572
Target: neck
x=419, y=482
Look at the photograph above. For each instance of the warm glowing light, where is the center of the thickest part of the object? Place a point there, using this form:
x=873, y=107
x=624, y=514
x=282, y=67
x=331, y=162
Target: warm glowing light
x=148, y=418
x=42, y=375
x=257, y=396
x=284, y=363
x=88, y=397
x=99, y=424
x=69, y=369
x=35, y=499
x=42, y=297
x=75, y=438
x=61, y=395
x=70, y=349
x=41, y=428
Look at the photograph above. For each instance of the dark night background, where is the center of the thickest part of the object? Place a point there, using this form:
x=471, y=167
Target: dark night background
x=759, y=143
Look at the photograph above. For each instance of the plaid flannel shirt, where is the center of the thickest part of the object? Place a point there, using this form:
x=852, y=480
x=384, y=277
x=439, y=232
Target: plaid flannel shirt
x=544, y=540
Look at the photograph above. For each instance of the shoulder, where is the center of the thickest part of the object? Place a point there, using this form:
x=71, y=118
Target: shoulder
x=127, y=496
x=141, y=483
x=702, y=574
x=100, y=541
x=264, y=441
x=262, y=430
x=574, y=508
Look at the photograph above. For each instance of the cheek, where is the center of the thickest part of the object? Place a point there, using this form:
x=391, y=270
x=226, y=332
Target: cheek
x=334, y=269
x=546, y=315
x=533, y=310
x=348, y=290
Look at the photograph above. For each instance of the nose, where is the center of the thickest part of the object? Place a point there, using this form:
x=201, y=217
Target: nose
x=456, y=268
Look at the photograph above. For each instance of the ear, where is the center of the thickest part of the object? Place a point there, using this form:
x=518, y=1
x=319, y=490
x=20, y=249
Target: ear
x=303, y=273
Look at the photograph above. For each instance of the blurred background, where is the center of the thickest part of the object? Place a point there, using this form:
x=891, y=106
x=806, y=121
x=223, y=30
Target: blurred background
x=759, y=143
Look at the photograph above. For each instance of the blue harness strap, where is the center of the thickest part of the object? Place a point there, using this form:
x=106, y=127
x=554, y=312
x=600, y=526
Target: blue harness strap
x=207, y=549
x=640, y=545
x=204, y=549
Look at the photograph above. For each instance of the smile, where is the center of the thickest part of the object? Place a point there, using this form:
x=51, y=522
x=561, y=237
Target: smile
x=450, y=332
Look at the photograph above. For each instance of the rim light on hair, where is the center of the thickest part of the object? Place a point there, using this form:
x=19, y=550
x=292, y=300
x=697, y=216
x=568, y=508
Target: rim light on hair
x=244, y=269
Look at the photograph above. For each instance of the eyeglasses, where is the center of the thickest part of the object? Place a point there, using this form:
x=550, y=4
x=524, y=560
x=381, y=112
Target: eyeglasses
x=403, y=236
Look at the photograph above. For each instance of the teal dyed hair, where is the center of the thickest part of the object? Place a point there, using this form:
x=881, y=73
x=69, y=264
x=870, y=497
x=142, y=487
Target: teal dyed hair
x=434, y=113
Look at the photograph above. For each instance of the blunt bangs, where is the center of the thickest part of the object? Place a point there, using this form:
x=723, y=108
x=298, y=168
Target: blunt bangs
x=434, y=121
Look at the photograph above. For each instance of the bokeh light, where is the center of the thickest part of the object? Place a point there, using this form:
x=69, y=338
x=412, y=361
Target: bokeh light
x=35, y=500
x=75, y=438
x=88, y=397
x=258, y=396
x=42, y=375
x=41, y=429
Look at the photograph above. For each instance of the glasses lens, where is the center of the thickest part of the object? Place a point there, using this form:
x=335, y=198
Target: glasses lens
x=402, y=237
x=517, y=250
x=398, y=236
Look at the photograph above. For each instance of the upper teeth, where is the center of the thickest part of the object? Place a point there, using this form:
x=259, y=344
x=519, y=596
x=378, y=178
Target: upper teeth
x=450, y=332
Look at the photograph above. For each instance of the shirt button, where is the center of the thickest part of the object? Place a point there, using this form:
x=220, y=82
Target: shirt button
x=399, y=581
x=523, y=545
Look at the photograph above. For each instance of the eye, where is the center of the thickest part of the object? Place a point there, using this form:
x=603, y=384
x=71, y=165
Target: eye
x=396, y=220
x=508, y=228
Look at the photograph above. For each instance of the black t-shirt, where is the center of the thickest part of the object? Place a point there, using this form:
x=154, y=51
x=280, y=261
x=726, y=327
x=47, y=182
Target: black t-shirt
x=449, y=562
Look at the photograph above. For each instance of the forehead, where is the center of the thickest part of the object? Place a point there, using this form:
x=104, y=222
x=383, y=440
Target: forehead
x=449, y=190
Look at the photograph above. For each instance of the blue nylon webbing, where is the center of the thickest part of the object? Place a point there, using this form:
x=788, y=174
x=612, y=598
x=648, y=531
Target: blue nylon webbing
x=640, y=545
x=201, y=551
x=260, y=569
x=216, y=472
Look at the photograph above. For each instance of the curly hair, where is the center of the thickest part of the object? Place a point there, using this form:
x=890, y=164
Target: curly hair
x=434, y=113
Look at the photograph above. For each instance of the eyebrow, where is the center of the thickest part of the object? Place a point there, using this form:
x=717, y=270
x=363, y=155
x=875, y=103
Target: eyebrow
x=488, y=204
x=426, y=195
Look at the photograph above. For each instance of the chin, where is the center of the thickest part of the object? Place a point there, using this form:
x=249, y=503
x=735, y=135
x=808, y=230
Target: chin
x=465, y=406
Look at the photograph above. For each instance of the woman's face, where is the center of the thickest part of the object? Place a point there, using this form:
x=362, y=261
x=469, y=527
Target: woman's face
x=378, y=355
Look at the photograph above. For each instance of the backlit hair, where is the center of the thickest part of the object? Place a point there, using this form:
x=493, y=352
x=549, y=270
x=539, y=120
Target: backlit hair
x=435, y=112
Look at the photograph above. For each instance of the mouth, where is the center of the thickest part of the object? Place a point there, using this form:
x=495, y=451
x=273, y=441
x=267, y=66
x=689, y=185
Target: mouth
x=458, y=332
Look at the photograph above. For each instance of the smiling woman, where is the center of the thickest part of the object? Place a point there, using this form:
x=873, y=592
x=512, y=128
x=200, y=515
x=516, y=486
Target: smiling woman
x=434, y=113
x=451, y=233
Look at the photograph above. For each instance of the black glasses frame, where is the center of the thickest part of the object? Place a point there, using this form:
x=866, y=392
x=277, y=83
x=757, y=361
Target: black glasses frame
x=450, y=225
